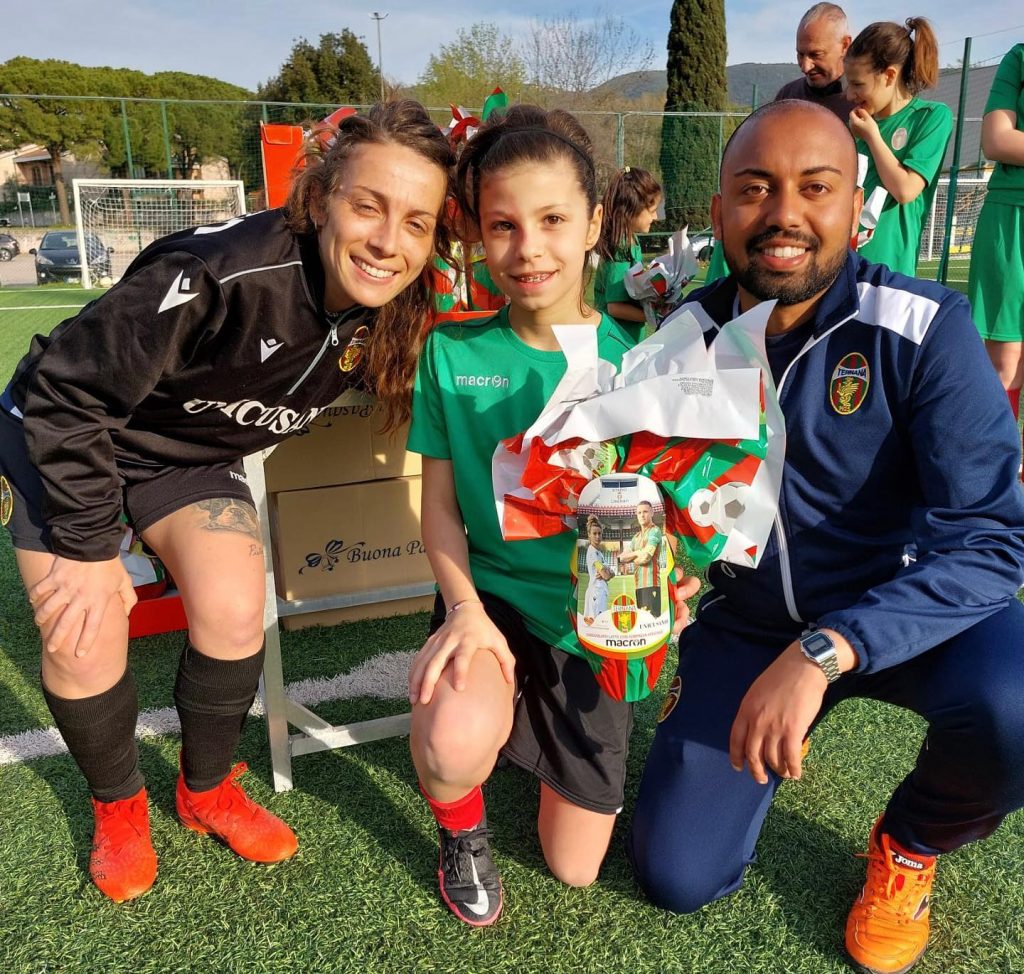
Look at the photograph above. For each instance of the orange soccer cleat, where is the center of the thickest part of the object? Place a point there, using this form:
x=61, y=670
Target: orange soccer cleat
x=887, y=929
x=229, y=814
x=122, y=862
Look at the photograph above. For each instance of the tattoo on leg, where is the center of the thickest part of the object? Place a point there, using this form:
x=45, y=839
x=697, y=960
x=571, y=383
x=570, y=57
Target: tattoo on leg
x=228, y=514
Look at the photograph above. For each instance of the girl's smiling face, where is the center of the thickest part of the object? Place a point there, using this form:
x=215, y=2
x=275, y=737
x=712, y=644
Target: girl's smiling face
x=873, y=91
x=643, y=220
x=537, y=229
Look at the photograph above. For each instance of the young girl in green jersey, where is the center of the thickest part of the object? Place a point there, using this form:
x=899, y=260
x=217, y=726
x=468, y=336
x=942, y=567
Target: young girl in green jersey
x=996, y=284
x=630, y=206
x=900, y=137
x=500, y=672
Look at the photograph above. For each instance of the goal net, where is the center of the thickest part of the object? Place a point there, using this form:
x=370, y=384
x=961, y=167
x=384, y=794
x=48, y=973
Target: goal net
x=970, y=194
x=116, y=219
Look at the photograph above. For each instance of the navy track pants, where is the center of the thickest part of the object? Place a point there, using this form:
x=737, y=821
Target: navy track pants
x=697, y=820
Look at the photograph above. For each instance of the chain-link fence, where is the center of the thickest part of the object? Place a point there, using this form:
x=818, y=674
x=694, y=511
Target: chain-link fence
x=189, y=139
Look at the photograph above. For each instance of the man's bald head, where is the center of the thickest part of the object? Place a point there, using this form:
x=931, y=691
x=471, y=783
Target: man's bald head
x=800, y=118
x=788, y=203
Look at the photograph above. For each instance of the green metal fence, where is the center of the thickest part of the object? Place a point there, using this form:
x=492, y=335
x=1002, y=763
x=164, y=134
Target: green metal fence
x=179, y=138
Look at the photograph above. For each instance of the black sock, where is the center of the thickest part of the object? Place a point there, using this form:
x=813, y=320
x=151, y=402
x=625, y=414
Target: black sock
x=100, y=734
x=212, y=696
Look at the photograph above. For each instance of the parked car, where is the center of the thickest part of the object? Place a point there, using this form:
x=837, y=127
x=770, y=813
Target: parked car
x=9, y=248
x=702, y=243
x=57, y=257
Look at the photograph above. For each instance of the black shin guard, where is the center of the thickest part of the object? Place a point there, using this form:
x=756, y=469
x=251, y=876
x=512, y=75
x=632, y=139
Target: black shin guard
x=100, y=734
x=212, y=696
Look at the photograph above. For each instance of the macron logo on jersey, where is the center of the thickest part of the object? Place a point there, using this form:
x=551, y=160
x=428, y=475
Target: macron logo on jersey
x=483, y=381
x=178, y=293
x=268, y=346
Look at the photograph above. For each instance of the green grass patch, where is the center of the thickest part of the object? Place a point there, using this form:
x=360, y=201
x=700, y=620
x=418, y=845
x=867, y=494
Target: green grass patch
x=29, y=311
x=360, y=896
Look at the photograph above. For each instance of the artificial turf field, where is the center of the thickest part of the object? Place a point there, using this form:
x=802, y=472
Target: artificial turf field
x=361, y=893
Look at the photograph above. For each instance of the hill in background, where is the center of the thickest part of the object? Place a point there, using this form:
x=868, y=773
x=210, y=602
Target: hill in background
x=769, y=78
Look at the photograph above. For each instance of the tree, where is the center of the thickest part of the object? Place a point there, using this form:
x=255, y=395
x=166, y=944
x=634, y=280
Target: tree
x=338, y=71
x=60, y=125
x=200, y=131
x=463, y=72
x=696, y=83
x=568, y=57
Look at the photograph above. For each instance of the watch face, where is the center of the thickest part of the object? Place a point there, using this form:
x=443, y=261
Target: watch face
x=817, y=642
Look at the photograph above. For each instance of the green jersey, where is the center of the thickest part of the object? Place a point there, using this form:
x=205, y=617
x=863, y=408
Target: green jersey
x=917, y=134
x=1007, y=182
x=478, y=384
x=610, y=284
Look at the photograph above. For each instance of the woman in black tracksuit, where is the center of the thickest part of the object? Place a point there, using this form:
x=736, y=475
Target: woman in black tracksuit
x=218, y=342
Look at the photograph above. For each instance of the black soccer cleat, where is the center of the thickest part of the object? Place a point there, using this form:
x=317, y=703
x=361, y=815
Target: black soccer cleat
x=469, y=881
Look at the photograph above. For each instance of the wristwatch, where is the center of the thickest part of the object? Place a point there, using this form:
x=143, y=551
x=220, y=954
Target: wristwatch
x=819, y=648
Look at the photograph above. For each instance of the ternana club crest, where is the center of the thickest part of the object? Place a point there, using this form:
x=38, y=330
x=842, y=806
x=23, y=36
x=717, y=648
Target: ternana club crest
x=354, y=350
x=624, y=613
x=848, y=386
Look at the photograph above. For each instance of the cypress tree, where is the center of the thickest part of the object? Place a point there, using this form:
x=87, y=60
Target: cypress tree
x=696, y=83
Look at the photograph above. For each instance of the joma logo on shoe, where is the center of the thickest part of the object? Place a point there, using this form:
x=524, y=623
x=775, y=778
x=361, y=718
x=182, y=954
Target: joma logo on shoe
x=904, y=861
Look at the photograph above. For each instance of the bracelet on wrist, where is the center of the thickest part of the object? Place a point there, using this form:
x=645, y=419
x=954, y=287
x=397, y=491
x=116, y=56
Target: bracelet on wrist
x=455, y=606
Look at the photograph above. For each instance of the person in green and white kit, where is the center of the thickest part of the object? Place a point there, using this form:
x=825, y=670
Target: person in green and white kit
x=630, y=207
x=502, y=670
x=901, y=138
x=996, y=285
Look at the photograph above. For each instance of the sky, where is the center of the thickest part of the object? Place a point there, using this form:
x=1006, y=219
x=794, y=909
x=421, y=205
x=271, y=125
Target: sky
x=247, y=42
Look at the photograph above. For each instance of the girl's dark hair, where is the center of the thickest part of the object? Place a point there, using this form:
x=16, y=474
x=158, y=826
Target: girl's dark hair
x=396, y=336
x=526, y=133
x=630, y=192
x=884, y=44
x=594, y=522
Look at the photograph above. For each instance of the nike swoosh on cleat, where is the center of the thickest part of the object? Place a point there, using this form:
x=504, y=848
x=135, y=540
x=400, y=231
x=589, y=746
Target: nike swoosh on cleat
x=175, y=295
x=481, y=904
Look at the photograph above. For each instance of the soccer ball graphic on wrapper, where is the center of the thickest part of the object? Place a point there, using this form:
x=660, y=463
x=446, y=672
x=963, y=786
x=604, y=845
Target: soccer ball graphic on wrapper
x=718, y=507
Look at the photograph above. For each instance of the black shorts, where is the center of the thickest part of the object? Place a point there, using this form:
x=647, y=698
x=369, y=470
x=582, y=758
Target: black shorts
x=148, y=492
x=566, y=730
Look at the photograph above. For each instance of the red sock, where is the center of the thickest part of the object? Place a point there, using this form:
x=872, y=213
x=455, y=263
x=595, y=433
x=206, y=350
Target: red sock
x=1014, y=396
x=457, y=816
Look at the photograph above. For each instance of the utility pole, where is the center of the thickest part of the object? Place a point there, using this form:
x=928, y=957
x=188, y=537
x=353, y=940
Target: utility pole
x=380, y=59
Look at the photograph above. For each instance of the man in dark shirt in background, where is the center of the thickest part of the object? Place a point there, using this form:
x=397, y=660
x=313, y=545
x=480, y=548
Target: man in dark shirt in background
x=821, y=42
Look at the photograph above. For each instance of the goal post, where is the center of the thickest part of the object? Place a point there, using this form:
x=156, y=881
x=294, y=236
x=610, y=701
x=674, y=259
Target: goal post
x=116, y=219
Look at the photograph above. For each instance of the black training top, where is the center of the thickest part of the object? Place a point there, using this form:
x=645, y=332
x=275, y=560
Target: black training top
x=213, y=345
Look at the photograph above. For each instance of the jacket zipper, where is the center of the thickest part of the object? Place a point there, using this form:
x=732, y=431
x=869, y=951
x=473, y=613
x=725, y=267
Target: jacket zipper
x=331, y=339
x=785, y=570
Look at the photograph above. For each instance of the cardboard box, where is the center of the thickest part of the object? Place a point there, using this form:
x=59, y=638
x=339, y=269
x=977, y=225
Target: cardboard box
x=343, y=445
x=352, y=538
x=352, y=613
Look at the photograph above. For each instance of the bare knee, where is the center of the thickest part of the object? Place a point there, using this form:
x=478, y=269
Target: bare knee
x=455, y=745
x=578, y=873
x=231, y=627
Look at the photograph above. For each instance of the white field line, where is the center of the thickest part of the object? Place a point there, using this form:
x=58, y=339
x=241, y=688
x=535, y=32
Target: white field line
x=383, y=677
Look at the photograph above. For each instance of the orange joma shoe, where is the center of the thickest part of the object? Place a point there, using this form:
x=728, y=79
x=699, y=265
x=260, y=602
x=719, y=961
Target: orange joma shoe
x=122, y=862
x=229, y=814
x=887, y=929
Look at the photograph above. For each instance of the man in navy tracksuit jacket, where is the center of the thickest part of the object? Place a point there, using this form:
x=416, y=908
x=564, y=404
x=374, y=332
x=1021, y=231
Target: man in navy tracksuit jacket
x=892, y=570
